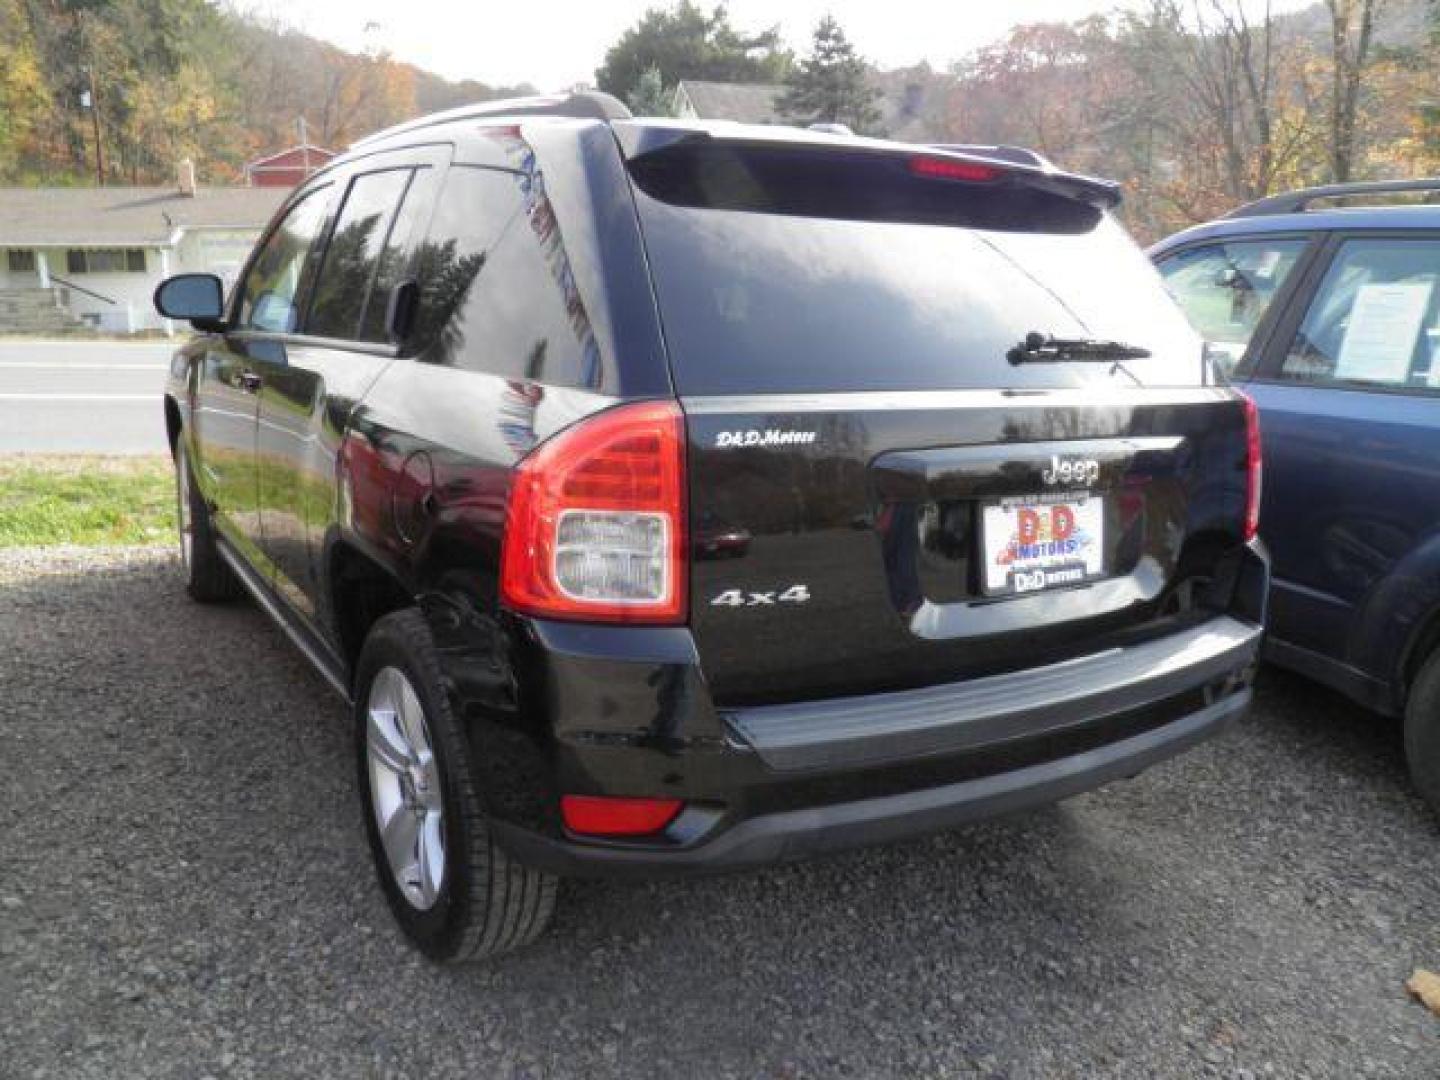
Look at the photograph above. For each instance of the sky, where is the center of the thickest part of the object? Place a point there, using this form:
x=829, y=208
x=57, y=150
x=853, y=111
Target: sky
x=555, y=44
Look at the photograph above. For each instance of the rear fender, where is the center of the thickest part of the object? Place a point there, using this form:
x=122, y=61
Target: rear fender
x=1395, y=617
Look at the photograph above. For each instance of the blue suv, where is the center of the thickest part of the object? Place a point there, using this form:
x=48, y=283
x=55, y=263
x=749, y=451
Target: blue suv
x=1327, y=313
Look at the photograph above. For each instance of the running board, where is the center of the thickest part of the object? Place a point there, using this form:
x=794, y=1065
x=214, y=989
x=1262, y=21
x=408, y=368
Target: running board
x=315, y=653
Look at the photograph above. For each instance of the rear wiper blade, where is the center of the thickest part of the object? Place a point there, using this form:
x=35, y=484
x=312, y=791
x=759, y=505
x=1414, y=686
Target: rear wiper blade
x=1038, y=348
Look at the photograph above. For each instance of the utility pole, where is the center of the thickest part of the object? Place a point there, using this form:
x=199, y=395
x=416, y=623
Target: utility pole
x=95, y=124
x=90, y=100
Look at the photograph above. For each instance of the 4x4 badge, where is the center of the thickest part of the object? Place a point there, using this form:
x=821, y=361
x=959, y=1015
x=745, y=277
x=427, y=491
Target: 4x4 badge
x=795, y=594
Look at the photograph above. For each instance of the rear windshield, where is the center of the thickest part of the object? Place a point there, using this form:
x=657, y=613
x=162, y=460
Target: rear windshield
x=769, y=285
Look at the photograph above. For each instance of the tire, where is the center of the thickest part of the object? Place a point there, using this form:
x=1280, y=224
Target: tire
x=207, y=577
x=1422, y=731
x=455, y=893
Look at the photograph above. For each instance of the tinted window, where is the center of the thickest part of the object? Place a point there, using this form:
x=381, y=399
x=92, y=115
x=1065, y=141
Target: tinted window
x=394, y=263
x=852, y=186
x=357, y=246
x=497, y=291
x=769, y=302
x=269, y=294
x=1226, y=288
x=1374, y=319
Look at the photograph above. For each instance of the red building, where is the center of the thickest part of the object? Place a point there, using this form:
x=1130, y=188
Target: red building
x=288, y=167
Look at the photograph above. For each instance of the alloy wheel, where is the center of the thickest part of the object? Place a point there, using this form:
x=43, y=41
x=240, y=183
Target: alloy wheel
x=405, y=788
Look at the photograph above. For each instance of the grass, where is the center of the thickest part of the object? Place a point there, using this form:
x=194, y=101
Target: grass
x=86, y=500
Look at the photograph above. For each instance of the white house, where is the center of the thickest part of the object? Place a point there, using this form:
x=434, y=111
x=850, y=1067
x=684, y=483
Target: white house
x=750, y=103
x=92, y=256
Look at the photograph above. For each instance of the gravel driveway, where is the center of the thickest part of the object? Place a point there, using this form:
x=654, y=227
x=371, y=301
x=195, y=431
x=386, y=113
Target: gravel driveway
x=185, y=891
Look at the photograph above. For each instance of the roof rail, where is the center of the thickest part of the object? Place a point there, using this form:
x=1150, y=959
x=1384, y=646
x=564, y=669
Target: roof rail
x=583, y=104
x=1296, y=202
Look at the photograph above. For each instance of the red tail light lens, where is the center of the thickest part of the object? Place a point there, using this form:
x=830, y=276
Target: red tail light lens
x=1254, y=469
x=939, y=168
x=595, y=528
x=600, y=815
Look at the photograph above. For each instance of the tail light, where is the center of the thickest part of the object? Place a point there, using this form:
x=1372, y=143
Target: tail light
x=1254, y=469
x=602, y=815
x=595, y=528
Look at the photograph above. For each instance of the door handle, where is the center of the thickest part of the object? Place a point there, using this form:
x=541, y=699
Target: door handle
x=249, y=382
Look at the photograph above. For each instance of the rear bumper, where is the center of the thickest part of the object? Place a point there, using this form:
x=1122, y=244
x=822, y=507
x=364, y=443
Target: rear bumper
x=794, y=834
x=782, y=782
x=963, y=716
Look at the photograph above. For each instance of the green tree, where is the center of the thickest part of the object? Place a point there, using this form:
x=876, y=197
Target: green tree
x=684, y=42
x=650, y=97
x=831, y=85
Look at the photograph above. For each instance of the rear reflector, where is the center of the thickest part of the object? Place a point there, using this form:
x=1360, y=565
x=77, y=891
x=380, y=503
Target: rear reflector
x=595, y=528
x=947, y=169
x=601, y=815
x=1254, y=469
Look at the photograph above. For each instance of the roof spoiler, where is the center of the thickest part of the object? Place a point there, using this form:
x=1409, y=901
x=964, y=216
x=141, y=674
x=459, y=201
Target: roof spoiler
x=1022, y=167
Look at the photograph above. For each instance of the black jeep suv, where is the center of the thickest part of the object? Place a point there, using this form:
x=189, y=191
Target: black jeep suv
x=672, y=497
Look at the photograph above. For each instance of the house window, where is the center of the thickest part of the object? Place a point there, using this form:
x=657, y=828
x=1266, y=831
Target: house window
x=21, y=262
x=105, y=261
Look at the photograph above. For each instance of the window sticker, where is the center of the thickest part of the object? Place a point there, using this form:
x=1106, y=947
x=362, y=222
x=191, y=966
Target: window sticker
x=1380, y=338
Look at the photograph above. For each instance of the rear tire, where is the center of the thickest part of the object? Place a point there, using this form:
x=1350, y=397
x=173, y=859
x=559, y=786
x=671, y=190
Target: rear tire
x=454, y=892
x=1422, y=731
x=207, y=577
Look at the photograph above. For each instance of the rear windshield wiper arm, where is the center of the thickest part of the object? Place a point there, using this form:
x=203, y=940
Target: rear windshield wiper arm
x=1038, y=348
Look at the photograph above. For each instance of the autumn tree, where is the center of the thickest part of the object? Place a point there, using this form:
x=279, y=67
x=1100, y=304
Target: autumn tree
x=684, y=42
x=1245, y=98
x=1352, y=41
x=832, y=84
x=23, y=98
x=1043, y=87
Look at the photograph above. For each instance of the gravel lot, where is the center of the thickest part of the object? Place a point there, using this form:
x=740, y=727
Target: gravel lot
x=184, y=891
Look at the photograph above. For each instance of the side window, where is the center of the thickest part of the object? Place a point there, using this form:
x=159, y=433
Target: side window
x=1374, y=319
x=1226, y=288
x=497, y=291
x=358, y=245
x=472, y=212
x=269, y=294
x=393, y=265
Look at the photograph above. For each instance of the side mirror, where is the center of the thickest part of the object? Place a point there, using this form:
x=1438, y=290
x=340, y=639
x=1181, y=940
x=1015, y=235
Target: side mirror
x=197, y=298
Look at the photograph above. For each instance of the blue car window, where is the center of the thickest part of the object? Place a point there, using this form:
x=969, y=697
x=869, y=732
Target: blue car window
x=1374, y=321
x=1225, y=288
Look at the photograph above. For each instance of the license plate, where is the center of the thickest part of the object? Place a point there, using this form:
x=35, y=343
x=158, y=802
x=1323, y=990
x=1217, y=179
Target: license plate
x=1036, y=542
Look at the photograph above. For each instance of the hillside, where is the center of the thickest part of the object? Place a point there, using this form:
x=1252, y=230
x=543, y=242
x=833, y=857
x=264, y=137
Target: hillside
x=184, y=78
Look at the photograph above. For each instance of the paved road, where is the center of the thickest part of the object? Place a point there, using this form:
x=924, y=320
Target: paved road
x=99, y=397
x=184, y=891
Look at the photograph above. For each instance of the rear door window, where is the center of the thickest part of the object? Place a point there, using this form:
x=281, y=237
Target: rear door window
x=1375, y=319
x=359, y=246
x=1225, y=288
